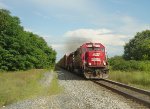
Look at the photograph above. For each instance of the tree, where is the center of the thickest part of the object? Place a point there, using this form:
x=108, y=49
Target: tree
x=19, y=49
x=138, y=48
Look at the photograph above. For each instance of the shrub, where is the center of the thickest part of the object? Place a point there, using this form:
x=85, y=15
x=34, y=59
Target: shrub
x=118, y=63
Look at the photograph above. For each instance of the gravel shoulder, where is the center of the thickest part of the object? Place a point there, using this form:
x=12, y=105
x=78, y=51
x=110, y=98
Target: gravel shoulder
x=92, y=96
x=78, y=94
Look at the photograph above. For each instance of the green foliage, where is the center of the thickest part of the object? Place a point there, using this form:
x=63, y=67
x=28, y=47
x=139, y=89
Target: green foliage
x=118, y=63
x=138, y=48
x=19, y=49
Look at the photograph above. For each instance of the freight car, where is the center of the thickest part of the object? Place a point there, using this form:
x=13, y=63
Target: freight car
x=89, y=59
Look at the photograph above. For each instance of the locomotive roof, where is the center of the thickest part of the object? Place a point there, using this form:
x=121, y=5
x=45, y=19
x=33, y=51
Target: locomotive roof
x=92, y=44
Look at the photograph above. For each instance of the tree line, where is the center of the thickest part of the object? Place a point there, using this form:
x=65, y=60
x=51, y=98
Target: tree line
x=136, y=54
x=22, y=50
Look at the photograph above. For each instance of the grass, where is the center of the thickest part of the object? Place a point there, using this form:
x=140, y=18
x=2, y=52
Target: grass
x=15, y=86
x=54, y=88
x=138, y=79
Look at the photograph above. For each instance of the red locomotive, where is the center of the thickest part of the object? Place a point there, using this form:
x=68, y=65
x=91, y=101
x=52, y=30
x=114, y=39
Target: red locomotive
x=89, y=60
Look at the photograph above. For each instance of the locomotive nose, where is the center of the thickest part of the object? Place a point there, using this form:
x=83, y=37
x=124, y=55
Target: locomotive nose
x=95, y=59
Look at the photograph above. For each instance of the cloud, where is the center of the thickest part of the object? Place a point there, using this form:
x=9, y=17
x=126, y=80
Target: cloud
x=105, y=36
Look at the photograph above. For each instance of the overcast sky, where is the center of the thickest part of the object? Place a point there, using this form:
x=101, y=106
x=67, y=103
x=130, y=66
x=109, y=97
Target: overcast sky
x=66, y=24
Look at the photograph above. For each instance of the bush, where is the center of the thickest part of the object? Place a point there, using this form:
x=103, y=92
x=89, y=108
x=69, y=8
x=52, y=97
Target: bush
x=118, y=63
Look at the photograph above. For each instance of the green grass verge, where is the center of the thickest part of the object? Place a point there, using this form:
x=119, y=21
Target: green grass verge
x=15, y=86
x=54, y=87
x=138, y=79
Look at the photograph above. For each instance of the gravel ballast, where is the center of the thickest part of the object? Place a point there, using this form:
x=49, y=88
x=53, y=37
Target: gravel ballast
x=78, y=94
x=93, y=96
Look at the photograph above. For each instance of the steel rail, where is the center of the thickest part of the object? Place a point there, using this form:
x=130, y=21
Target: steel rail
x=139, y=95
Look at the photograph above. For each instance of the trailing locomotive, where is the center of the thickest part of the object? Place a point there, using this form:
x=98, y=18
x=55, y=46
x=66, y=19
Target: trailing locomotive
x=89, y=59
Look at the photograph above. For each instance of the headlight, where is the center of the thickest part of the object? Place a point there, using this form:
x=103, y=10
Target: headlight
x=104, y=62
x=89, y=63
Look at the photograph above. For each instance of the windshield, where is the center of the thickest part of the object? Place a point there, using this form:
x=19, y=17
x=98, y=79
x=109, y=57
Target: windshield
x=95, y=48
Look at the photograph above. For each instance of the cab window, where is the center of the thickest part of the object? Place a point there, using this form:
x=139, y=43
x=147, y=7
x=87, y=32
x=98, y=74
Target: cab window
x=89, y=48
x=96, y=49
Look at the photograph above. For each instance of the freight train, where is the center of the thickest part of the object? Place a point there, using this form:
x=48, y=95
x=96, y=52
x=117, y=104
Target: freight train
x=89, y=59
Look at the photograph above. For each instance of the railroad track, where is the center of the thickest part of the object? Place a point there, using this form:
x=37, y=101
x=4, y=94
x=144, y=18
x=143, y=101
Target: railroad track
x=136, y=94
x=139, y=95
